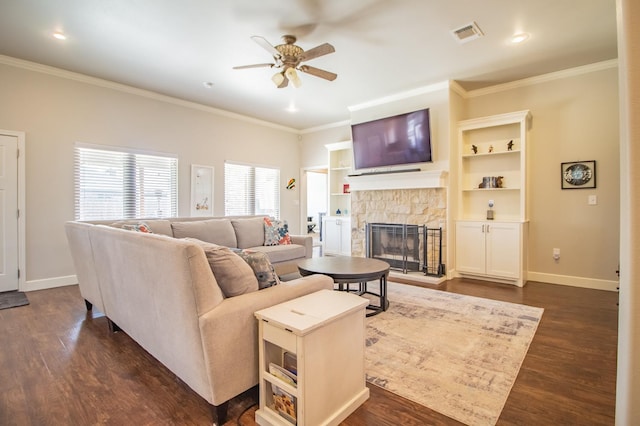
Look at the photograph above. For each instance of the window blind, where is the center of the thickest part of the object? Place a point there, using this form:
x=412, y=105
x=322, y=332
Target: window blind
x=112, y=184
x=251, y=190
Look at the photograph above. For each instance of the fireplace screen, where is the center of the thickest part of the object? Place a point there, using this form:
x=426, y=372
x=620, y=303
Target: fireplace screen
x=406, y=247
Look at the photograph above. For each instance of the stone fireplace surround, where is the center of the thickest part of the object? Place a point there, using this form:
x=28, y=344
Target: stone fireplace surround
x=414, y=198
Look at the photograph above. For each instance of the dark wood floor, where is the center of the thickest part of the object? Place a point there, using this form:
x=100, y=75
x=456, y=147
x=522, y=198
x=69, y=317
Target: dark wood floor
x=59, y=365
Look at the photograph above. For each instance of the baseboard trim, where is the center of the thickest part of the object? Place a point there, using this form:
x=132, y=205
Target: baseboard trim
x=572, y=281
x=50, y=283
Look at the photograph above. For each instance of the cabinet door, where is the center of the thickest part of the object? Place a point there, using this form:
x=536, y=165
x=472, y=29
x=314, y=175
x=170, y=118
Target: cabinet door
x=345, y=237
x=332, y=236
x=503, y=249
x=470, y=247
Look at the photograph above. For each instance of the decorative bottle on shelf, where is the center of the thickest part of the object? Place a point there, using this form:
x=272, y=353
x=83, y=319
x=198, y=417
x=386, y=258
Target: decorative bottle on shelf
x=338, y=212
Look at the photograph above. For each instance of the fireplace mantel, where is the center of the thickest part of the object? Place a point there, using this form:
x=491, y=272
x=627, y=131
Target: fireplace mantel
x=406, y=180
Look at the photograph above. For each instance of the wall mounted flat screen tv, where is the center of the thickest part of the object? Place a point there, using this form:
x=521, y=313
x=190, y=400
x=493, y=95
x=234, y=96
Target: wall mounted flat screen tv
x=391, y=141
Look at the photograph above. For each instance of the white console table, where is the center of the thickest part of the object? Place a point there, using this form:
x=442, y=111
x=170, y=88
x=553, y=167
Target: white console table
x=325, y=332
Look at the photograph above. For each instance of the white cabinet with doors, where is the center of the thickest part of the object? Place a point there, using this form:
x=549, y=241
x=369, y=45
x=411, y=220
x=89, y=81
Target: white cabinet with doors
x=336, y=235
x=490, y=249
x=492, y=175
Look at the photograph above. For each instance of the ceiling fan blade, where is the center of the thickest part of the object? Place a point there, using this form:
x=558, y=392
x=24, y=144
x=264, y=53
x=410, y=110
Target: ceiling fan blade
x=266, y=45
x=241, y=67
x=318, y=72
x=321, y=50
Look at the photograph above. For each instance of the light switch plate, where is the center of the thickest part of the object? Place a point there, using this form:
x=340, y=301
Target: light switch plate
x=592, y=200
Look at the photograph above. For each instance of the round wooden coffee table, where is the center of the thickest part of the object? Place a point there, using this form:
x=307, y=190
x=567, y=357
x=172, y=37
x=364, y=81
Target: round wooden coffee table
x=345, y=270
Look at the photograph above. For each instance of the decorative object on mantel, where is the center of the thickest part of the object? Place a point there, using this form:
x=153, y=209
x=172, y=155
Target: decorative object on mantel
x=510, y=145
x=490, y=148
x=474, y=148
x=291, y=184
x=578, y=174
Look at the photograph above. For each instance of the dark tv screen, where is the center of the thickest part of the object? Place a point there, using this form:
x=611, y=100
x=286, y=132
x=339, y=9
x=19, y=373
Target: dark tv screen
x=391, y=141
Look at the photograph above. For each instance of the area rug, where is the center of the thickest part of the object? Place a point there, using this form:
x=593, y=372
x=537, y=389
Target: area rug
x=455, y=354
x=12, y=299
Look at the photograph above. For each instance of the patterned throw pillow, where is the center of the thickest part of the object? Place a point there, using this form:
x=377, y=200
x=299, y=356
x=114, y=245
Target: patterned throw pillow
x=138, y=227
x=276, y=232
x=262, y=268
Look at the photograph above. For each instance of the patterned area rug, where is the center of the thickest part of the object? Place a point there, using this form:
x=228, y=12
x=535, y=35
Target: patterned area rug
x=458, y=355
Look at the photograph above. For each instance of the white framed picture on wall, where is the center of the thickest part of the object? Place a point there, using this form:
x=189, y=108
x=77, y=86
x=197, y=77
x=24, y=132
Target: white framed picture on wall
x=201, y=190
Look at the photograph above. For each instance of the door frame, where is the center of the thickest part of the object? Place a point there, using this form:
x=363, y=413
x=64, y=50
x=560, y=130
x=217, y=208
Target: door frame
x=303, y=195
x=22, y=216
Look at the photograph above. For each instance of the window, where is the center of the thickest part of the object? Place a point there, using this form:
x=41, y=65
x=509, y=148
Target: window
x=251, y=190
x=111, y=184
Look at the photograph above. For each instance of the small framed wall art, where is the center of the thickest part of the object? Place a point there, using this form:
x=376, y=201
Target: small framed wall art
x=578, y=174
x=201, y=190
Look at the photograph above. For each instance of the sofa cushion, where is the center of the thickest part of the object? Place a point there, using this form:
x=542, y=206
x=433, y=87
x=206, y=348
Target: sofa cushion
x=216, y=231
x=233, y=274
x=249, y=232
x=138, y=227
x=262, y=268
x=276, y=232
x=283, y=253
x=158, y=226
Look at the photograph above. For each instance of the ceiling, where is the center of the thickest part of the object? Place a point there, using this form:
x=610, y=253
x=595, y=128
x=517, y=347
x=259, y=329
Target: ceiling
x=383, y=47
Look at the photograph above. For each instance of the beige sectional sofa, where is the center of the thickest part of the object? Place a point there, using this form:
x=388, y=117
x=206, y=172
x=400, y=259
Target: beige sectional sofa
x=162, y=292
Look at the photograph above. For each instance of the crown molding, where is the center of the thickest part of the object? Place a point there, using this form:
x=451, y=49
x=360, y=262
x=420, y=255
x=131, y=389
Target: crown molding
x=401, y=96
x=558, y=75
x=326, y=127
x=69, y=75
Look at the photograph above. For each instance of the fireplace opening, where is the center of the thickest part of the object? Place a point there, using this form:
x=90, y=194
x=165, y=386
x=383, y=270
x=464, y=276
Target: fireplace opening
x=408, y=248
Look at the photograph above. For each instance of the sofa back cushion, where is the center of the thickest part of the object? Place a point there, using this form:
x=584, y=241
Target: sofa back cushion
x=216, y=231
x=249, y=232
x=156, y=226
x=233, y=274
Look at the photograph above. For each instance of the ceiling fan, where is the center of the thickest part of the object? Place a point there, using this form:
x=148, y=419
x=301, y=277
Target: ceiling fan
x=288, y=57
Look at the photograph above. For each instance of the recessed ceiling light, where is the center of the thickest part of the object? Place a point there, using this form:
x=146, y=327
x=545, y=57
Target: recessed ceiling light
x=519, y=38
x=291, y=108
x=208, y=84
x=59, y=35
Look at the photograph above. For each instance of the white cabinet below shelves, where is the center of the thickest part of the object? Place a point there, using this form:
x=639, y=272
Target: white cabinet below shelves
x=336, y=237
x=492, y=250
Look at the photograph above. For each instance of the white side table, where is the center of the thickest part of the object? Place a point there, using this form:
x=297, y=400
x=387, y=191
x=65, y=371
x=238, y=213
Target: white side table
x=325, y=333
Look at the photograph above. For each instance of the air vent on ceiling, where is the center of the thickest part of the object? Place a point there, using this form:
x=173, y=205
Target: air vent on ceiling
x=467, y=33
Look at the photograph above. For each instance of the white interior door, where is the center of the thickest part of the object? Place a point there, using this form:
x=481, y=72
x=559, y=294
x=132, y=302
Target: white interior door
x=8, y=213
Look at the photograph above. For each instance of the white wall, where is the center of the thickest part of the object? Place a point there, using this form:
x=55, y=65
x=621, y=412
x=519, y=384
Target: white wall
x=57, y=112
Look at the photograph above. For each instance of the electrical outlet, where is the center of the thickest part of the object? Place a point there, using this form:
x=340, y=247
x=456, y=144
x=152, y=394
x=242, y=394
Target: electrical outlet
x=592, y=200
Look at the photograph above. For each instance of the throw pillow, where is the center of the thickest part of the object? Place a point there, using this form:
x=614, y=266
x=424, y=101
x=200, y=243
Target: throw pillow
x=138, y=227
x=276, y=232
x=262, y=268
x=233, y=274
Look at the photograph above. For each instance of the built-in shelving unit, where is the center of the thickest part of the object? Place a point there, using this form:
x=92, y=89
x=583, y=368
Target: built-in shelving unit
x=492, y=169
x=337, y=224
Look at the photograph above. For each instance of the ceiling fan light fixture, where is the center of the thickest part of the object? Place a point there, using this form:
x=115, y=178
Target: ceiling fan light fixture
x=293, y=77
x=278, y=78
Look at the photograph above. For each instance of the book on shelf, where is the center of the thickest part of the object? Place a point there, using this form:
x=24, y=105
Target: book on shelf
x=284, y=403
x=290, y=362
x=283, y=374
